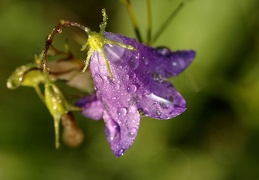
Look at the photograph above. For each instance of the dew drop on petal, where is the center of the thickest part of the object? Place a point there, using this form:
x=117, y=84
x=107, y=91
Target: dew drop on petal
x=174, y=63
x=111, y=45
x=145, y=60
x=125, y=78
x=158, y=99
x=132, y=88
x=132, y=132
x=121, y=152
x=134, y=62
x=117, y=86
x=158, y=113
x=164, y=51
x=122, y=111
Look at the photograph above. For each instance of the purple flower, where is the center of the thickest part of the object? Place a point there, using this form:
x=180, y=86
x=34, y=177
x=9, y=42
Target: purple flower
x=138, y=85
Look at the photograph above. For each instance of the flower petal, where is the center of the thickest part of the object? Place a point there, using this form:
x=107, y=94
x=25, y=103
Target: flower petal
x=121, y=115
x=92, y=107
x=163, y=103
x=173, y=63
x=122, y=132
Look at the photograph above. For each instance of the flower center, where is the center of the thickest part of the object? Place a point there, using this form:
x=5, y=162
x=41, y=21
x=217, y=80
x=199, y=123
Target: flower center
x=96, y=42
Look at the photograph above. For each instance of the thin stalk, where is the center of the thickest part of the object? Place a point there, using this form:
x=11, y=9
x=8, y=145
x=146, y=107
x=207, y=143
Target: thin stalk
x=149, y=22
x=167, y=21
x=133, y=20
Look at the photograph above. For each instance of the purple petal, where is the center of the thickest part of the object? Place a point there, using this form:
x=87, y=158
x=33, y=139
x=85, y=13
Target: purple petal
x=173, y=63
x=121, y=132
x=92, y=107
x=163, y=103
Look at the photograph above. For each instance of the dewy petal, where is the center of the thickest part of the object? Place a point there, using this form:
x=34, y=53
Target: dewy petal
x=121, y=132
x=137, y=84
x=121, y=115
x=92, y=107
x=173, y=63
x=164, y=102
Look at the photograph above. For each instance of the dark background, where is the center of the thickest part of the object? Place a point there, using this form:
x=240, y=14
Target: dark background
x=217, y=138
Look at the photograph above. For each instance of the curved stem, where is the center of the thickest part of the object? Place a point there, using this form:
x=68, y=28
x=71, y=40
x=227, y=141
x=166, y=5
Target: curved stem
x=57, y=30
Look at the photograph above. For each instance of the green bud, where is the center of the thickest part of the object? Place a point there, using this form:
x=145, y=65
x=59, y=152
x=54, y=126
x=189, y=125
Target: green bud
x=57, y=105
x=26, y=75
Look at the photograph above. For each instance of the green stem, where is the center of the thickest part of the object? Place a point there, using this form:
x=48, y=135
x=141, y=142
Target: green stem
x=167, y=21
x=133, y=20
x=149, y=22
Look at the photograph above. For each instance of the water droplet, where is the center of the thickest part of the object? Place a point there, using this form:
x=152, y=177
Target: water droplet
x=117, y=86
x=134, y=62
x=115, y=137
x=145, y=60
x=132, y=132
x=158, y=113
x=164, y=51
x=137, y=55
x=132, y=88
x=158, y=99
x=121, y=151
x=122, y=111
x=98, y=79
x=125, y=77
x=174, y=63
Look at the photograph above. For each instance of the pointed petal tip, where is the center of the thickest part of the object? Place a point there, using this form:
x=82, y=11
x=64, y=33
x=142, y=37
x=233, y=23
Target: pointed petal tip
x=192, y=53
x=118, y=153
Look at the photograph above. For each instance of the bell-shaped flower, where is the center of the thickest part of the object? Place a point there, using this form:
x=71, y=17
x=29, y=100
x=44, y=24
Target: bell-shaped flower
x=134, y=82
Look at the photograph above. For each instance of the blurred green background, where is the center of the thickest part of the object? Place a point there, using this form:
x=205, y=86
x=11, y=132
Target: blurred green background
x=217, y=138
